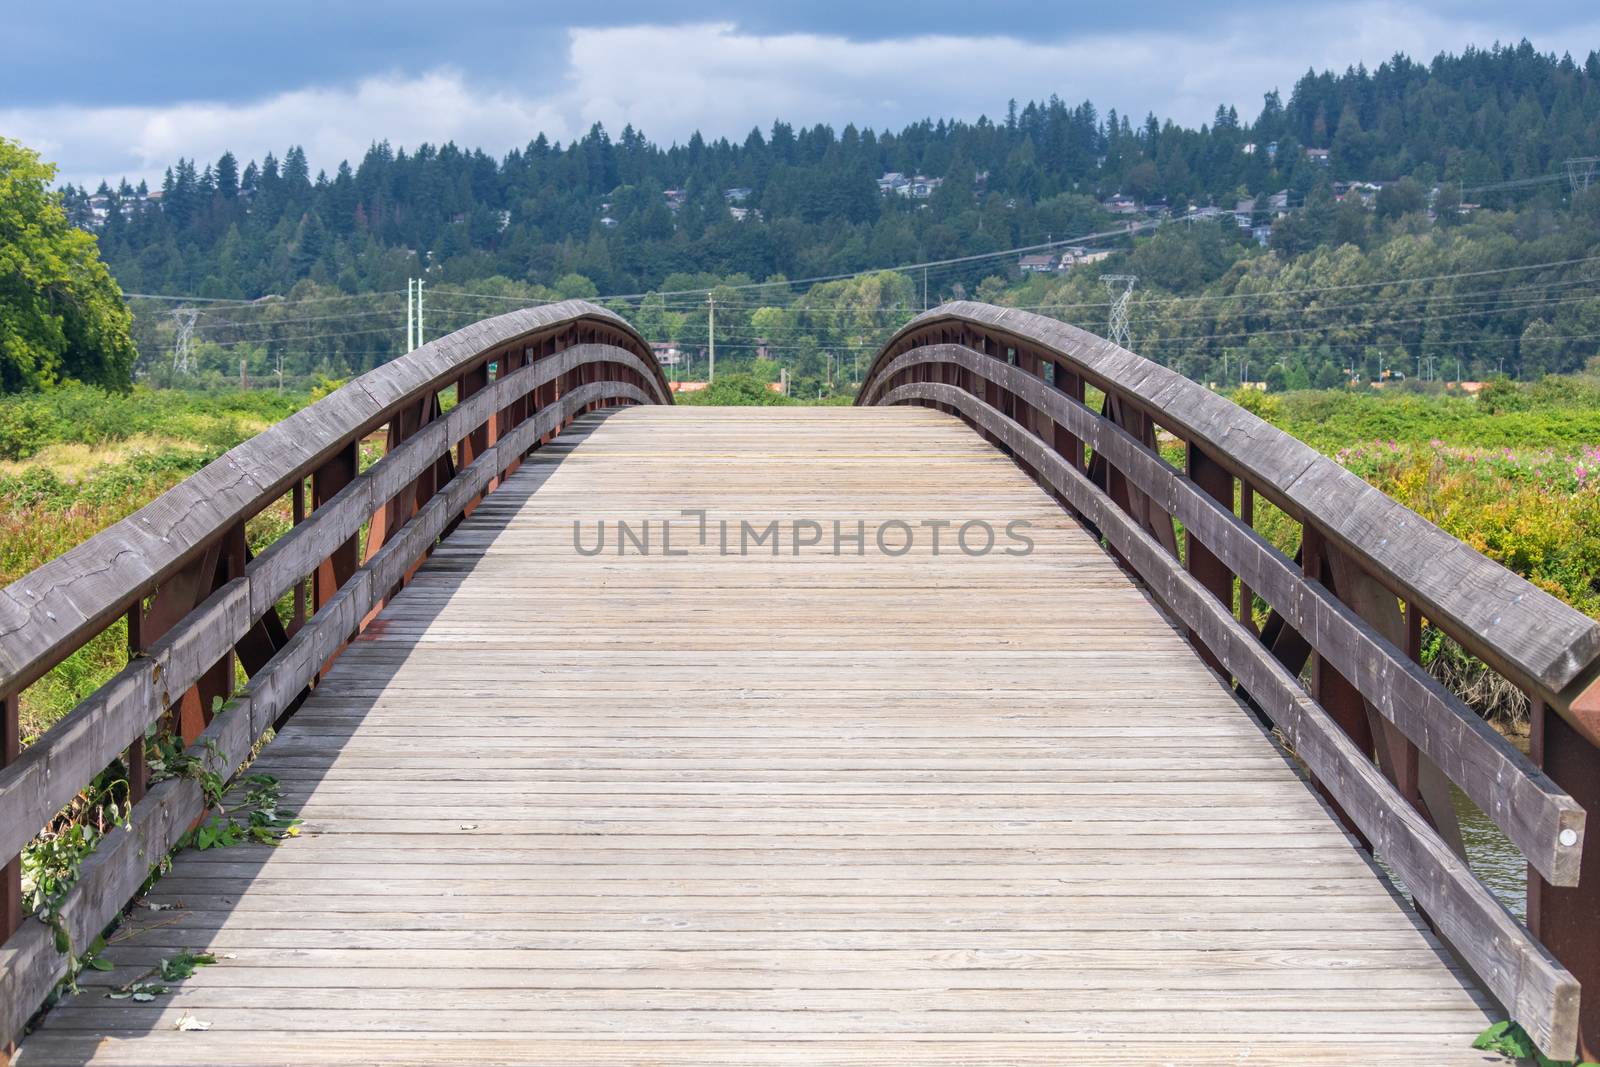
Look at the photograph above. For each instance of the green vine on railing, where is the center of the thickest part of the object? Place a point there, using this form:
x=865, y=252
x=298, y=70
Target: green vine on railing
x=52, y=861
x=1510, y=1039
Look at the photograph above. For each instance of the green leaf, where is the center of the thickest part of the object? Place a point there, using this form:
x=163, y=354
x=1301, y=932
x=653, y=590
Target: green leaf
x=101, y=965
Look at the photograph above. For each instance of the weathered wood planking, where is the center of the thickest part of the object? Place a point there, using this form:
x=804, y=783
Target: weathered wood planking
x=1515, y=966
x=1521, y=630
x=30, y=961
x=710, y=809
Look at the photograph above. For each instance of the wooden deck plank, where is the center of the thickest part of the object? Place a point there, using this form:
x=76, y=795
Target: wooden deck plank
x=804, y=808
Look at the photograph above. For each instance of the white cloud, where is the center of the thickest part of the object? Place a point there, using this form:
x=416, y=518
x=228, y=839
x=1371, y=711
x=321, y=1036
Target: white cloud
x=671, y=80
x=331, y=123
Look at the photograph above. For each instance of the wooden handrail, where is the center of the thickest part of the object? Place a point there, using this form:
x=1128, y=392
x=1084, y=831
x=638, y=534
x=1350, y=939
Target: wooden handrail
x=1535, y=640
x=1020, y=380
x=59, y=605
x=1532, y=810
x=550, y=366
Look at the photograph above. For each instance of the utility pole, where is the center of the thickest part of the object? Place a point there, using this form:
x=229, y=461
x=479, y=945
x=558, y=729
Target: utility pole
x=413, y=314
x=711, y=336
x=1117, y=328
x=924, y=288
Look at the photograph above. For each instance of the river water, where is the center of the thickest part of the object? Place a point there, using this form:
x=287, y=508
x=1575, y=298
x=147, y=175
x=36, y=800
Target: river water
x=1493, y=857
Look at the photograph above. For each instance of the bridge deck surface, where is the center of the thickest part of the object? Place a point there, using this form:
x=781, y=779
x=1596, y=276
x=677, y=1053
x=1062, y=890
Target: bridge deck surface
x=806, y=810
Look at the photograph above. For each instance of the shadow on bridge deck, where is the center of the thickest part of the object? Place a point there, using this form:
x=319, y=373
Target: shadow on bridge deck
x=807, y=808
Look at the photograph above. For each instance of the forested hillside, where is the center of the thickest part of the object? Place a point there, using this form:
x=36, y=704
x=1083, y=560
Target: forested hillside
x=1452, y=171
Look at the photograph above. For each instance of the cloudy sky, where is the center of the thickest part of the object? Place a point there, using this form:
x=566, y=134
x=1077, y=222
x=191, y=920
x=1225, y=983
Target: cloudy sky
x=110, y=90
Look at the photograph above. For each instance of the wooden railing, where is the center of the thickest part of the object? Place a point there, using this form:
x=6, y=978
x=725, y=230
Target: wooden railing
x=201, y=610
x=1348, y=609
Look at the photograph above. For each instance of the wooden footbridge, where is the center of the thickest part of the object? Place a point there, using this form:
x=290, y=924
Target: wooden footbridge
x=936, y=730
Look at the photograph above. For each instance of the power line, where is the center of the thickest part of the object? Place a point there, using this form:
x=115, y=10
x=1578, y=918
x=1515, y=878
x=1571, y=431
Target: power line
x=269, y=301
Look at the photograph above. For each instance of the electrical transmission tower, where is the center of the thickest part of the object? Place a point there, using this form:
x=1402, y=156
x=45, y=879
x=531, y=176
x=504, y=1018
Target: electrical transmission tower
x=183, y=348
x=1580, y=172
x=1117, y=328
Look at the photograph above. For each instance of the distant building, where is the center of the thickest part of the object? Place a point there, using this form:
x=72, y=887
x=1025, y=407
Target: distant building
x=675, y=198
x=1244, y=211
x=608, y=222
x=918, y=187
x=666, y=353
x=737, y=195
x=1366, y=192
x=1060, y=262
x=1249, y=149
x=1262, y=235
x=1319, y=156
x=1121, y=205
x=740, y=214
x=1204, y=214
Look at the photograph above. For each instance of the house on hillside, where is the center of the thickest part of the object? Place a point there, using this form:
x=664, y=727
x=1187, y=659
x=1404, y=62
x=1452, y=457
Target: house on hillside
x=1039, y=264
x=1081, y=257
x=1121, y=204
x=1243, y=212
x=1319, y=156
x=1366, y=192
x=737, y=195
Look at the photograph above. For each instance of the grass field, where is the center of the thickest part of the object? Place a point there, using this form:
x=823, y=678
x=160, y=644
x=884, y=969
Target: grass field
x=77, y=460
x=1515, y=473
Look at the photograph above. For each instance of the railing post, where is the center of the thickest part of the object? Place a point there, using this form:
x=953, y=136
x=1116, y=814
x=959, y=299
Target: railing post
x=173, y=599
x=134, y=756
x=1033, y=421
x=11, y=876
x=1341, y=700
x=297, y=504
x=1247, y=596
x=478, y=439
x=1066, y=442
x=1215, y=481
x=515, y=412
x=1567, y=920
x=339, y=471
